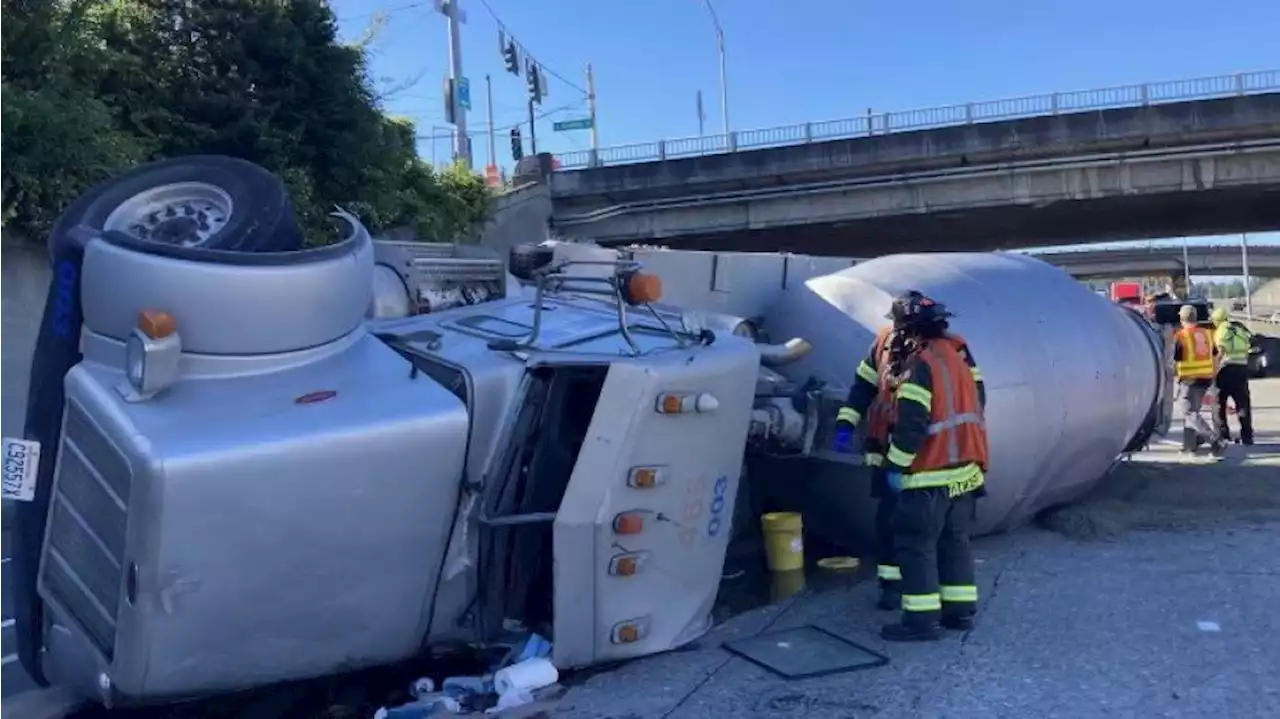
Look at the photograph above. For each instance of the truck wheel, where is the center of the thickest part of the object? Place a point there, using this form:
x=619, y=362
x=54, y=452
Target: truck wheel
x=204, y=201
x=524, y=260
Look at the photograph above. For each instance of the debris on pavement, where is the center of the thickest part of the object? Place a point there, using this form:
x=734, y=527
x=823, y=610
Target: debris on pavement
x=523, y=677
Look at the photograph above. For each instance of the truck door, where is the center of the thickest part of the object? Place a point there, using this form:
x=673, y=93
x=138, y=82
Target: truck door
x=641, y=533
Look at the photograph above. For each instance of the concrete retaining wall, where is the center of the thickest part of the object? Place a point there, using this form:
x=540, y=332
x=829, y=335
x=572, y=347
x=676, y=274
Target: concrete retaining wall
x=22, y=292
x=518, y=216
x=23, y=287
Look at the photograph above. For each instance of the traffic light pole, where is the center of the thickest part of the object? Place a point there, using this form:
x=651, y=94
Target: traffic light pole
x=533, y=133
x=488, y=89
x=591, y=106
x=461, y=141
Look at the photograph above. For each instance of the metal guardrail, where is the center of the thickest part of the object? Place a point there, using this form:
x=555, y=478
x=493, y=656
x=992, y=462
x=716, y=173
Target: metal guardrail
x=1244, y=83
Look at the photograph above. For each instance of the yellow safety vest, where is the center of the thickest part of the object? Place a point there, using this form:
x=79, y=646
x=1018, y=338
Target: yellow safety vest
x=1197, y=354
x=1232, y=341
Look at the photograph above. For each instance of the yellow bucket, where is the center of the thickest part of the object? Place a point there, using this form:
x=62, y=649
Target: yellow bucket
x=783, y=541
x=786, y=584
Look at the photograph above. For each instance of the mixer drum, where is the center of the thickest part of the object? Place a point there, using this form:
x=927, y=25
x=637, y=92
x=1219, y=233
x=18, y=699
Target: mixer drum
x=1072, y=379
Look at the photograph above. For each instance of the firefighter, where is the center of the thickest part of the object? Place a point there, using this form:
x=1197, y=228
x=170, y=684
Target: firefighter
x=871, y=395
x=936, y=463
x=1232, y=341
x=1194, y=359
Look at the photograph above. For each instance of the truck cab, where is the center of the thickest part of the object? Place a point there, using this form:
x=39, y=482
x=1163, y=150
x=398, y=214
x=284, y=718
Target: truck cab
x=283, y=484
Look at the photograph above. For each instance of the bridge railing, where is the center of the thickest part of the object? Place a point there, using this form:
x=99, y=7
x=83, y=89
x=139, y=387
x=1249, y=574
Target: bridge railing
x=1243, y=83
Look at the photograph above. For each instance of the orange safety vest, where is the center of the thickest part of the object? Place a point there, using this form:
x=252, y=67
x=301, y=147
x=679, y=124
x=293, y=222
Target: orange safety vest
x=1197, y=353
x=957, y=432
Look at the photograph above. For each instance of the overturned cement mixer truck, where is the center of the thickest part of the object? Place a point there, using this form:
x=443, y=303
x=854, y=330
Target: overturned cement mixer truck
x=264, y=462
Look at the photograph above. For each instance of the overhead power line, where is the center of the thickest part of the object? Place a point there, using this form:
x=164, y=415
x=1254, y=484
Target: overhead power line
x=385, y=11
x=502, y=26
x=501, y=128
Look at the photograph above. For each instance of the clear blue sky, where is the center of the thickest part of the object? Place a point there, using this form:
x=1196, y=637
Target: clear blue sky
x=795, y=61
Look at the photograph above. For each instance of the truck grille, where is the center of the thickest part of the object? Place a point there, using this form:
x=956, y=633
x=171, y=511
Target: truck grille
x=88, y=518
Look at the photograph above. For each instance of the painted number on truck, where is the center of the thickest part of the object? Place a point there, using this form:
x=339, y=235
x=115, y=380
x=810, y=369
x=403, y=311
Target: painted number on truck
x=696, y=502
x=716, y=523
x=21, y=463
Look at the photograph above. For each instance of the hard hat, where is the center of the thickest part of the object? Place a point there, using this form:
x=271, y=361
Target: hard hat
x=913, y=309
x=1187, y=313
x=1219, y=315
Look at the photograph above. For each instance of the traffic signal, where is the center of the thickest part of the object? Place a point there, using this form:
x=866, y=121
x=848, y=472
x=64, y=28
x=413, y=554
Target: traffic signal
x=517, y=146
x=511, y=58
x=534, y=79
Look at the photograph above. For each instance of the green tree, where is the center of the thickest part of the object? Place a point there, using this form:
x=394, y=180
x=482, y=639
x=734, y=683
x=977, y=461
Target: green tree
x=264, y=80
x=59, y=136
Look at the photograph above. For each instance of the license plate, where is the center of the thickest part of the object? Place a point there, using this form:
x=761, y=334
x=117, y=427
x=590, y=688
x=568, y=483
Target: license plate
x=21, y=465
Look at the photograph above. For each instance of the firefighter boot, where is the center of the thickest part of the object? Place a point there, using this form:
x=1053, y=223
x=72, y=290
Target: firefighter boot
x=913, y=632
x=890, y=596
x=914, y=627
x=958, y=621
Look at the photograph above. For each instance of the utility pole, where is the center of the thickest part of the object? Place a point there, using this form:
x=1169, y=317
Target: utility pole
x=488, y=89
x=702, y=116
x=724, y=88
x=1244, y=267
x=533, y=132
x=591, y=107
x=1186, y=266
x=461, y=140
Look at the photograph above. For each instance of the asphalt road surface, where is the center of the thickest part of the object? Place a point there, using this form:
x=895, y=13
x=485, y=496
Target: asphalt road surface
x=1168, y=615
x=14, y=679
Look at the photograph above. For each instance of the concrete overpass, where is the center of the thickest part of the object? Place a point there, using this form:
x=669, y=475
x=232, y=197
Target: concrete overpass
x=1195, y=157
x=1264, y=261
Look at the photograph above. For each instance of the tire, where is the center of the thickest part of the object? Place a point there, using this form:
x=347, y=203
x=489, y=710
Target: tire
x=262, y=217
x=259, y=218
x=524, y=260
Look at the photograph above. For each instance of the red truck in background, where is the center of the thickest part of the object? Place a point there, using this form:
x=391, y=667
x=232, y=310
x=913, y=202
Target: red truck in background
x=1126, y=292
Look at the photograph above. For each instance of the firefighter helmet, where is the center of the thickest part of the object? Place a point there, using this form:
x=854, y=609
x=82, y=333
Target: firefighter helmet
x=914, y=309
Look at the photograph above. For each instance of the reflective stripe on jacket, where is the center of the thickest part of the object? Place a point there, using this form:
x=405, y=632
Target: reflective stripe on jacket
x=1232, y=340
x=950, y=441
x=1196, y=361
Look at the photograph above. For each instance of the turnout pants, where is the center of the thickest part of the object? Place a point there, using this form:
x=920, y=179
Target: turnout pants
x=1233, y=384
x=931, y=538
x=887, y=571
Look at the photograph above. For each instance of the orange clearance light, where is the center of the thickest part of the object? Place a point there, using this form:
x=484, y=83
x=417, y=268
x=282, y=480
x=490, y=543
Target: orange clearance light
x=632, y=630
x=643, y=288
x=156, y=324
x=624, y=565
x=670, y=403
x=645, y=477
x=628, y=523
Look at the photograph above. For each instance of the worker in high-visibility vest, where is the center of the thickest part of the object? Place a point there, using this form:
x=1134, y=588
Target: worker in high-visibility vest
x=872, y=396
x=936, y=462
x=1194, y=366
x=1233, y=341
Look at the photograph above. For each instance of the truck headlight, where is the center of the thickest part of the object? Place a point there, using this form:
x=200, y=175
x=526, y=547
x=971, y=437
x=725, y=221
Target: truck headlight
x=152, y=353
x=135, y=361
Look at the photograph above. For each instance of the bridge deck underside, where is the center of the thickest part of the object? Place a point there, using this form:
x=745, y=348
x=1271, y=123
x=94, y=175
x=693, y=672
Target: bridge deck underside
x=1200, y=212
